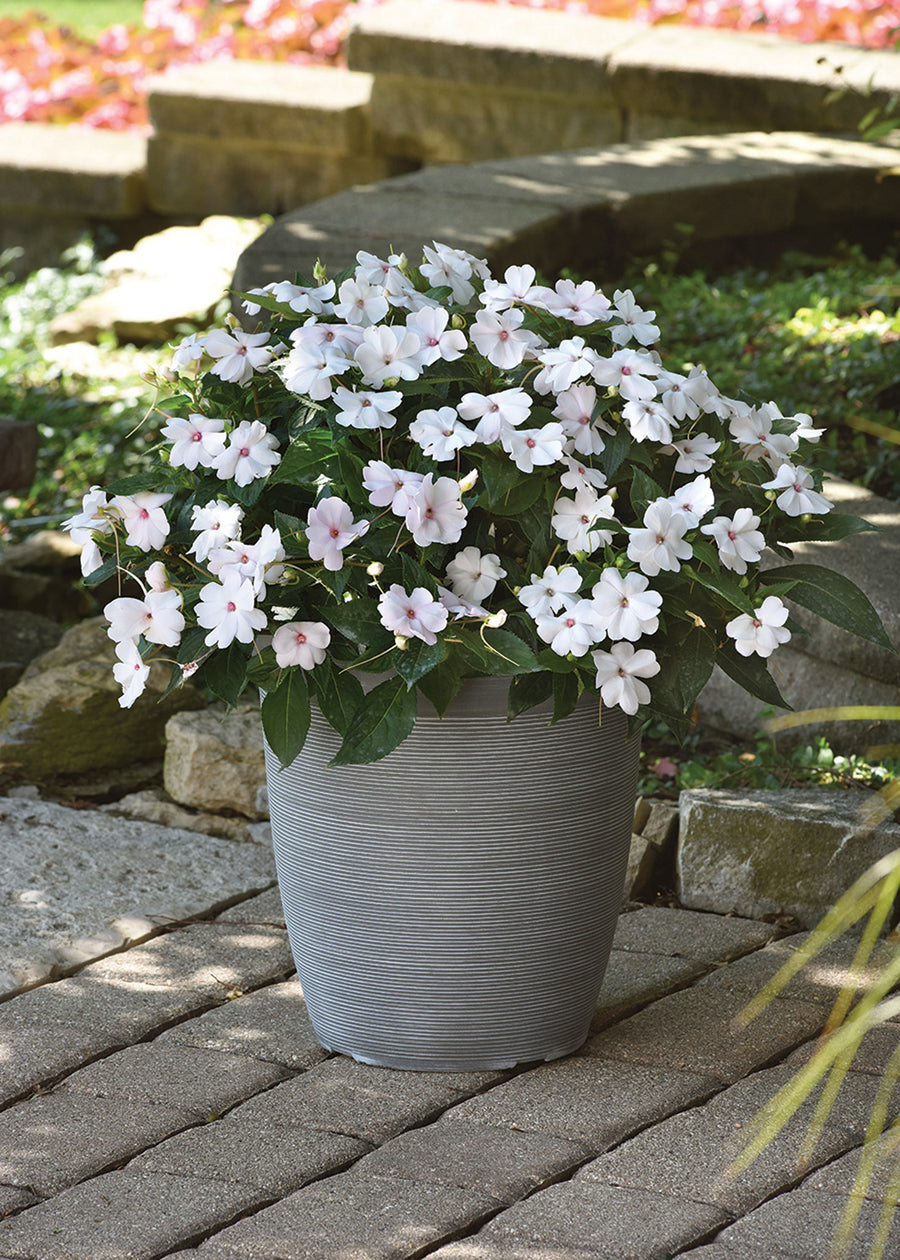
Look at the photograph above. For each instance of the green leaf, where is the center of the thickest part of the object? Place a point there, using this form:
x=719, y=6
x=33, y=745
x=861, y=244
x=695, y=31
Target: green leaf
x=725, y=587
x=497, y=652
x=528, y=690
x=304, y=461
x=686, y=666
x=833, y=597
x=414, y=575
x=225, y=672
x=751, y=673
x=106, y=570
x=442, y=684
x=383, y=720
x=556, y=664
x=192, y=645
x=419, y=659
x=285, y=716
x=829, y=528
x=643, y=491
x=358, y=620
x=159, y=480
x=567, y=689
x=263, y=671
x=614, y=451
x=339, y=694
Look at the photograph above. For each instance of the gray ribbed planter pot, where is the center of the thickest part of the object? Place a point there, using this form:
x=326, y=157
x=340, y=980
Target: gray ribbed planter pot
x=452, y=906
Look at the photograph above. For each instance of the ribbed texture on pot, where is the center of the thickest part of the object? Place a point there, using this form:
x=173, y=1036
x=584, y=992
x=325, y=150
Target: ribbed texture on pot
x=451, y=907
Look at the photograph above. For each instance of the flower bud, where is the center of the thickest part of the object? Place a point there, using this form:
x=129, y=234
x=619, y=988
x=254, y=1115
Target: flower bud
x=375, y=569
x=468, y=482
x=401, y=642
x=457, y=321
x=497, y=620
x=320, y=275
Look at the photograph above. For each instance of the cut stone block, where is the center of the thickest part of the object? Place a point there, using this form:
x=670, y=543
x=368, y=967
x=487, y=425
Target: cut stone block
x=216, y=761
x=758, y=853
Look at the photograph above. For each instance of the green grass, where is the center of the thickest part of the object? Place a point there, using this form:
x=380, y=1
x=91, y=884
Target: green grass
x=85, y=17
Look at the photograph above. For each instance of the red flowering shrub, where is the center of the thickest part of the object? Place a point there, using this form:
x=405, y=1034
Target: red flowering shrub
x=49, y=74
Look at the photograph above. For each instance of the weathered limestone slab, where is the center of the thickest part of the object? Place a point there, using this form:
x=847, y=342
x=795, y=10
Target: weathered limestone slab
x=63, y=717
x=214, y=761
x=140, y=303
x=99, y=173
x=78, y=884
x=266, y=135
x=757, y=853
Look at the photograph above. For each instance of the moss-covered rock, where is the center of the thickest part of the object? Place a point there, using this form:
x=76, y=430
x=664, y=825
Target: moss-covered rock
x=63, y=717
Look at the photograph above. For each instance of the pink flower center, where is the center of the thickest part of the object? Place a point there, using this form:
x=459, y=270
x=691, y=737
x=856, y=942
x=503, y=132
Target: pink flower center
x=244, y=452
x=504, y=335
x=334, y=531
x=530, y=442
x=196, y=437
x=301, y=638
x=231, y=606
x=144, y=514
x=732, y=535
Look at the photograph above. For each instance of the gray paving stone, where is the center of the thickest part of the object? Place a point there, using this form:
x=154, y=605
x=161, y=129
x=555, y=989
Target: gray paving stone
x=593, y=1101
x=54, y=1141
x=496, y=1161
x=264, y=909
x=354, y=1218
x=800, y=1225
x=13, y=1198
x=690, y=1155
x=839, y=1177
x=124, y=1216
x=270, y=1024
x=632, y=980
x=710, y=938
x=274, y=1160
x=820, y=981
x=372, y=1103
x=605, y=1221
x=479, y=1247
x=195, y=1083
x=213, y=958
x=874, y=1053
x=694, y=1031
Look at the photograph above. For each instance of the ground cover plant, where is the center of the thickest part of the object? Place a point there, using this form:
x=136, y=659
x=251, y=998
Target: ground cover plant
x=59, y=62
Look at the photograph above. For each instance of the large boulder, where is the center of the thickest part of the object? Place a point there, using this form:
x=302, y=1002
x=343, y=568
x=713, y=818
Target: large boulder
x=23, y=636
x=63, y=717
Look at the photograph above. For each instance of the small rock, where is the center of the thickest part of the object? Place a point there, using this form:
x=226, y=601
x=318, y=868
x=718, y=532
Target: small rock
x=214, y=761
x=19, y=444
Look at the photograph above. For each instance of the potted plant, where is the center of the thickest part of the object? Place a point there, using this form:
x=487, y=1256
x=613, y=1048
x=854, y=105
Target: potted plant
x=417, y=502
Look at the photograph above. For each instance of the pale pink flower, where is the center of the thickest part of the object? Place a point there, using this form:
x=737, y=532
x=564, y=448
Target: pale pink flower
x=252, y=452
x=157, y=617
x=563, y=365
x=501, y=338
x=648, y=420
x=436, y=513
x=798, y=494
x=738, y=539
x=574, y=410
x=534, y=448
x=366, y=408
x=472, y=575
x=437, y=341
x=198, y=440
x=575, y=521
x=574, y=630
x=361, y=303
x=301, y=643
x=395, y=488
x=695, y=499
x=331, y=528
x=146, y=524
x=441, y=434
x=631, y=322
x=578, y=304
x=131, y=673
x=762, y=633
x=660, y=544
x=454, y=268
x=624, y=607
x=517, y=285
x=619, y=674
x=553, y=591
x=384, y=354
x=628, y=372
x=227, y=609
x=217, y=523
x=239, y=354
x=418, y=614
x=495, y=413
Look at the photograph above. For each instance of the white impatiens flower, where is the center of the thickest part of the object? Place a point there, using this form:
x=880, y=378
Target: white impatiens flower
x=563, y=365
x=418, y=613
x=453, y=267
x=359, y=302
x=366, y=408
x=574, y=409
x=533, y=448
x=131, y=673
x=798, y=494
x=619, y=675
x=385, y=354
x=300, y=643
x=310, y=366
x=501, y=338
x=629, y=373
x=158, y=617
x=751, y=428
x=579, y=304
x=472, y=575
x=260, y=563
x=660, y=543
x=146, y=524
x=683, y=396
x=252, y=452
x=330, y=528
x=694, y=500
x=227, y=609
x=391, y=487
x=189, y=350
x=623, y=605
x=436, y=513
x=216, y=523
x=551, y=592
x=575, y=521
x=93, y=518
x=762, y=633
x=574, y=630
x=737, y=538
x=239, y=354
x=579, y=476
x=437, y=340
x=517, y=285
x=196, y=441
x=630, y=322
x=495, y=413
x=648, y=420
x=440, y=434
x=695, y=453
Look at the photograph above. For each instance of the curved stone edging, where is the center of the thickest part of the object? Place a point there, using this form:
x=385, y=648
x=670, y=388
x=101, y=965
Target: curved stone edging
x=592, y=208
